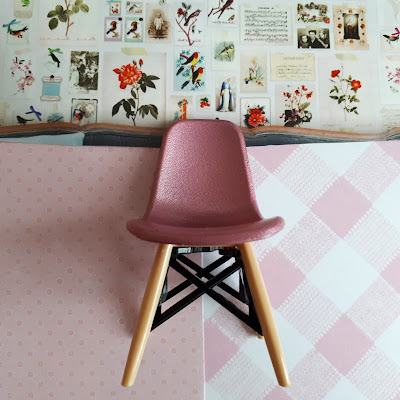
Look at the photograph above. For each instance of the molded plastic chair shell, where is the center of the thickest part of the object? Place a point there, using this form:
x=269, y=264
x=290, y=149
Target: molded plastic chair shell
x=202, y=193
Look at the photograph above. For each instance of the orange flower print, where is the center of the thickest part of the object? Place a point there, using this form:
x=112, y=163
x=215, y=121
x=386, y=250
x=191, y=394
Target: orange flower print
x=309, y=95
x=256, y=120
x=128, y=75
x=335, y=73
x=355, y=84
x=255, y=112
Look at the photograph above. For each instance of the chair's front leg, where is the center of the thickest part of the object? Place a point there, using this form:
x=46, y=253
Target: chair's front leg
x=147, y=312
x=264, y=313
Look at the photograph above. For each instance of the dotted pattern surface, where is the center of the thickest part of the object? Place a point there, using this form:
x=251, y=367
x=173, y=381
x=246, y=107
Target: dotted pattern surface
x=72, y=279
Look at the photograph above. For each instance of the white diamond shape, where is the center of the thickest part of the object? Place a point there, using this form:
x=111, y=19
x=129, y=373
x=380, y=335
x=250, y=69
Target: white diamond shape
x=389, y=342
x=210, y=393
x=342, y=275
x=344, y=390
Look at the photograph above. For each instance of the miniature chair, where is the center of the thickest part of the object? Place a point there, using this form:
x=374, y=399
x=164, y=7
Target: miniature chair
x=203, y=199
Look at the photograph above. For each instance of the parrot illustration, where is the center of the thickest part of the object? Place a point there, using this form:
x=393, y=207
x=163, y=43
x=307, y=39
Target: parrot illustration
x=225, y=6
x=195, y=78
x=134, y=28
x=23, y=121
x=191, y=16
x=189, y=60
x=113, y=28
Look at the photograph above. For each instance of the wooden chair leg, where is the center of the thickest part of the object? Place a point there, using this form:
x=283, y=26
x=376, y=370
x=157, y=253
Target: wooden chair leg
x=264, y=313
x=147, y=312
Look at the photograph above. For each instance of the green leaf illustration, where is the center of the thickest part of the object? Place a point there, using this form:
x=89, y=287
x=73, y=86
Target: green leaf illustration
x=153, y=113
x=304, y=106
x=116, y=108
x=53, y=23
x=355, y=112
x=78, y=2
x=132, y=103
x=143, y=88
x=150, y=84
x=152, y=77
x=69, y=12
x=84, y=8
x=62, y=17
x=59, y=9
x=127, y=107
x=154, y=107
x=133, y=93
x=334, y=97
x=75, y=8
x=52, y=14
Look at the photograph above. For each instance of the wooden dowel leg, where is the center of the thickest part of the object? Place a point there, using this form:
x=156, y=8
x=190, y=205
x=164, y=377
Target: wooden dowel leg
x=147, y=312
x=264, y=313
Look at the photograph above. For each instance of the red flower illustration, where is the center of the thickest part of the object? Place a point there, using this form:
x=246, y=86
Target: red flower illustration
x=355, y=84
x=308, y=95
x=256, y=120
x=255, y=112
x=181, y=12
x=128, y=75
x=327, y=20
x=335, y=73
x=297, y=92
x=304, y=88
x=340, y=25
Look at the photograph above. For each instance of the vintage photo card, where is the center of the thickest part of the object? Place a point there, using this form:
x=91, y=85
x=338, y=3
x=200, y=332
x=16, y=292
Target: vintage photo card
x=225, y=48
x=84, y=111
x=204, y=103
x=313, y=37
x=350, y=27
x=134, y=29
x=190, y=70
x=223, y=13
x=389, y=13
x=266, y=25
x=390, y=80
x=189, y=23
x=75, y=20
x=390, y=39
x=313, y=13
x=23, y=8
x=134, y=89
x=84, y=73
x=114, y=8
x=17, y=32
x=113, y=28
x=159, y=23
x=346, y=91
x=134, y=7
x=292, y=67
x=255, y=112
x=179, y=107
x=225, y=92
x=295, y=105
x=253, y=71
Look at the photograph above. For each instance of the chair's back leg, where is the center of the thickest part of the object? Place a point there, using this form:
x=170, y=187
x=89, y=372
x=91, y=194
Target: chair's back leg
x=147, y=311
x=264, y=313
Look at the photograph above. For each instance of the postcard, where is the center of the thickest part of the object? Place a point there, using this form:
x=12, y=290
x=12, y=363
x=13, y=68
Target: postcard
x=225, y=47
x=23, y=8
x=134, y=7
x=255, y=112
x=134, y=29
x=189, y=23
x=84, y=72
x=17, y=32
x=114, y=8
x=204, y=103
x=179, y=108
x=84, y=111
x=390, y=118
x=190, y=70
x=292, y=67
x=225, y=93
x=253, y=72
x=314, y=13
x=223, y=13
x=313, y=37
x=390, y=39
x=113, y=29
x=159, y=23
x=390, y=80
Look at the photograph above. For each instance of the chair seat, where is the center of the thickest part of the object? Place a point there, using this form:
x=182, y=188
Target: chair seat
x=205, y=236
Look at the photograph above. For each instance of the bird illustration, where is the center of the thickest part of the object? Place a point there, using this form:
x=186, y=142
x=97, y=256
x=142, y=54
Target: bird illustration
x=78, y=115
x=18, y=33
x=227, y=51
x=132, y=7
x=23, y=121
x=231, y=18
x=191, y=16
x=54, y=57
x=195, y=78
x=134, y=26
x=113, y=28
x=189, y=60
x=394, y=37
x=225, y=6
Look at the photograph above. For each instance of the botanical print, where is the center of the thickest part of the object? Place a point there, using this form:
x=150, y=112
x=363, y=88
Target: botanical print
x=255, y=112
x=17, y=32
x=313, y=38
x=84, y=72
x=189, y=27
x=222, y=12
x=189, y=71
x=390, y=41
x=297, y=101
x=350, y=26
x=68, y=20
x=84, y=111
x=345, y=91
x=253, y=72
x=23, y=8
x=393, y=78
x=134, y=27
x=180, y=107
x=51, y=88
x=158, y=23
x=21, y=74
x=225, y=50
x=203, y=103
x=134, y=7
x=114, y=8
x=312, y=13
x=390, y=80
x=113, y=29
x=64, y=15
x=225, y=93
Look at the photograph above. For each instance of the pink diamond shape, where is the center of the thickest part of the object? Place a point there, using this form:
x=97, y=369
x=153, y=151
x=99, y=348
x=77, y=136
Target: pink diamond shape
x=277, y=394
x=341, y=206
x=344, y=345
x=273, y=156
x=218, y=349
x=392, y=273
x=281, y=277
x=392, y=148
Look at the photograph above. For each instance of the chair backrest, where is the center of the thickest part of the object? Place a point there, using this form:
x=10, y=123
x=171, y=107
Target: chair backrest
x=203, y=177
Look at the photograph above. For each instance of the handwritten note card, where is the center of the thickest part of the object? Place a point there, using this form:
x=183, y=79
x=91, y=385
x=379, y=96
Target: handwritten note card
x=390, y=118
x=292, y=67
x=266, y=25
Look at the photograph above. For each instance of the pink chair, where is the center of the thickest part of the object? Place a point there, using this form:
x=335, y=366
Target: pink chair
x=203, y=198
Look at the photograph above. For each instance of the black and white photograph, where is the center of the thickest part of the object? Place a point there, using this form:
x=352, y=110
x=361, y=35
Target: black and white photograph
x=313, y=38
x=84, y=72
